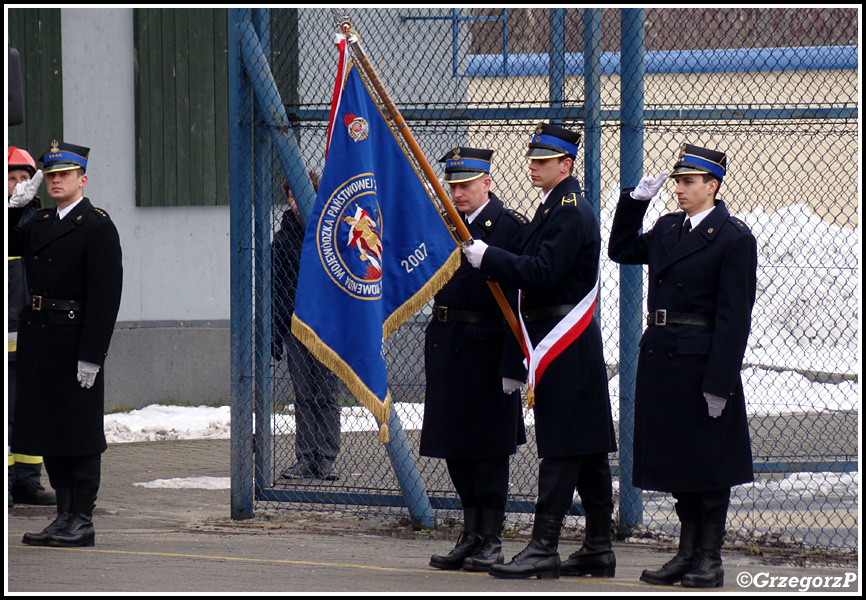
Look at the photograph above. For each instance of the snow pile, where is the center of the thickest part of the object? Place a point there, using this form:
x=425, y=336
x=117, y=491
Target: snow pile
x=188, y=483
x=159, y=423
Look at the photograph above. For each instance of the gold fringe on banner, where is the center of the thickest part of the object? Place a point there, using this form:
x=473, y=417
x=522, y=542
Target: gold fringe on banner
x=332, y=360
x=422, y=296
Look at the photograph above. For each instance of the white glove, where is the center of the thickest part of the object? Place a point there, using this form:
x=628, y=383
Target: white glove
x=25, y=191
x=715, y=404
x=649, y=186
x=509, y=386
x=87, y=373
x=475, y=253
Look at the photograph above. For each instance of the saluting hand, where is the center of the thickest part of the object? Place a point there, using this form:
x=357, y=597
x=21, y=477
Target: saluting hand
x=649, y=186
x=25, y=191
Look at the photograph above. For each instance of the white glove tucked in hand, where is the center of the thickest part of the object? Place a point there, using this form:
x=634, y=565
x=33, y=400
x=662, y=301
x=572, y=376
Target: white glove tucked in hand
x=715, y=404
x=25, y=191
x=87, y=373
x=475, y=253
x=649, y=186
x=509, y=386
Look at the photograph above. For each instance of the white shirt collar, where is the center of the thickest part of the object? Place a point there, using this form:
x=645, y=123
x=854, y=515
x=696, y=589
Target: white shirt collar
x=68, y=209
x=544, y=197
x=696, y=219
x=477, y=211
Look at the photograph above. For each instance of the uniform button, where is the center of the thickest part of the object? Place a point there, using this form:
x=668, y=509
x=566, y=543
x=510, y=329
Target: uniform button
x=650, y=352
x=659, y=282
x=679, y=286
x=435, y=346
x=670, y=355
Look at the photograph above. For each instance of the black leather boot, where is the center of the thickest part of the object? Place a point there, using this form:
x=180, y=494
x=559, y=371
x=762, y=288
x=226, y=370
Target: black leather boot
x=595, y=558
x=489, y=553
x=540, y=558
x=684, y=561
x=64, y=515
x=468, y=542
x=27, y=488
x=708, y=572
x=79, y=531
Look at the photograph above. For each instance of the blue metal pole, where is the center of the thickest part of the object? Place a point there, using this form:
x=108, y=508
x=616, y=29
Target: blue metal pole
x=556, y=55
x=408, y=475
x=592, y=104
x=240, y=238
x=267, y=98
x=261, y=201
x=631, y=276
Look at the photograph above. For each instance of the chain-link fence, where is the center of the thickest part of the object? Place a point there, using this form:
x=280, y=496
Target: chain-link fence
x=776, y=89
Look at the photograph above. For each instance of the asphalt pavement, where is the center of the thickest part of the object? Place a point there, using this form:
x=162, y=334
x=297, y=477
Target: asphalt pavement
x=159, y=540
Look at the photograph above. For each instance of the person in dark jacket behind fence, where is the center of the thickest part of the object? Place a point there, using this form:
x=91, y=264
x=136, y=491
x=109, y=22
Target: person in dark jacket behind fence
x=317, y=412
x=691, y=433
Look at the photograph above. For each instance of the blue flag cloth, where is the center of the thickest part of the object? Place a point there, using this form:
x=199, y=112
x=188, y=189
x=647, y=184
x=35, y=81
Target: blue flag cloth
x=375, y=251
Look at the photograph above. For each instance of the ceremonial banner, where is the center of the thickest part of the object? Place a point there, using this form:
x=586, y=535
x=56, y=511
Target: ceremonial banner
x=375, y=250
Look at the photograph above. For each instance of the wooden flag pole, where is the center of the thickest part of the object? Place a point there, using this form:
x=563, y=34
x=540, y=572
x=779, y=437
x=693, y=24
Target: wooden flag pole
x=345, y=27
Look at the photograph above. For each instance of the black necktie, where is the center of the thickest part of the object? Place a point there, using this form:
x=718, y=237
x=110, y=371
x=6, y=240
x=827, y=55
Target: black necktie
x=687, y=227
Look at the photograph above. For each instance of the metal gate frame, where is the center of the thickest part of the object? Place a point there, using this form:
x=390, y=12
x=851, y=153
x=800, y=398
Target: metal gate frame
x=272, y=134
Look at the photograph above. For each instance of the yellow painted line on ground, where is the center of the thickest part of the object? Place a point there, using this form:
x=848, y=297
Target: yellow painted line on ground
x=430, y=571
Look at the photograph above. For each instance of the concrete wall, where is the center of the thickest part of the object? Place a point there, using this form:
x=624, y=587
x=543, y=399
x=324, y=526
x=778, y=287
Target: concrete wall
x=176, y=260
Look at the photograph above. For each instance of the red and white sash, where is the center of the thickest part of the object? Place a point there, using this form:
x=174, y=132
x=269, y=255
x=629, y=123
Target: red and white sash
x=557, y=339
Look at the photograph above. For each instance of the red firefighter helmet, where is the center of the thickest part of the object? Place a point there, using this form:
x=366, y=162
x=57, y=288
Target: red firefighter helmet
x=21, y=159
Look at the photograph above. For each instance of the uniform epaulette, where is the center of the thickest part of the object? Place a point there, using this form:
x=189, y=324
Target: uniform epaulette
x=519, y=217
x=569, y=199
x=100, y=212
x=740, y=226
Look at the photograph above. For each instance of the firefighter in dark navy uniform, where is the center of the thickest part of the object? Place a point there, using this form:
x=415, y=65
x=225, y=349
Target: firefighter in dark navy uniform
x=24, y=471
x=691, y=431
x=72, y=260
x=474, y=370
x=555, y=268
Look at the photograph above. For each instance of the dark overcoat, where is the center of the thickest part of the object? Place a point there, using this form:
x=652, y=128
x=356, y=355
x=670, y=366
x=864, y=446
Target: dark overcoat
x=466, y=413
x=711, y=272
x=556, y=264
x=77, y=258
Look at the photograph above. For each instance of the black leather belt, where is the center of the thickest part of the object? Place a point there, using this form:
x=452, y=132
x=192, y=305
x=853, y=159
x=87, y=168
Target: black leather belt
x=38, y=303
x=443, y=314
x=548, y=311
x=662, y=317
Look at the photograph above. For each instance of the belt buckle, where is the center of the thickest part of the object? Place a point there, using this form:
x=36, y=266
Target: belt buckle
x=36, y=303
x=661, y=317
x=442, y=314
